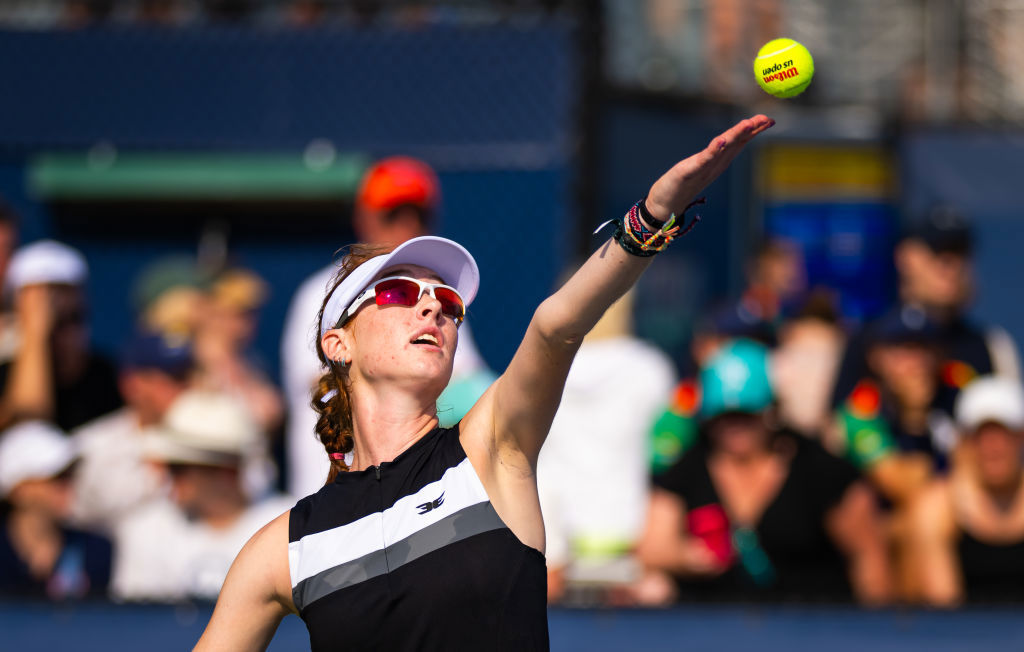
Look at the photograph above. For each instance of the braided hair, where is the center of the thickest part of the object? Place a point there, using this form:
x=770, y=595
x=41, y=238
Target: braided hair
x=334, y=425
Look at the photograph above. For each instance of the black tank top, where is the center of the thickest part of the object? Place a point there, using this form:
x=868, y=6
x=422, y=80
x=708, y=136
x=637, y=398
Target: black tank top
x=411, y=555
x=805, y=564
x=992, y=573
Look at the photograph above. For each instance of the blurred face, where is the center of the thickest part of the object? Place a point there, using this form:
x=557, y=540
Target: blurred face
x=52, y=496
x=150, y=392
x=388, y=227
x=70, y=336
x=739, y=434
x=908, y=370
x=782, y=271
x=997, y=454
x=193, y=485
x=397, y=343
x=936, y=279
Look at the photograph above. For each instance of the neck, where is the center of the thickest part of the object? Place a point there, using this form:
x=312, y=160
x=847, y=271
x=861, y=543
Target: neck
x=386, y=421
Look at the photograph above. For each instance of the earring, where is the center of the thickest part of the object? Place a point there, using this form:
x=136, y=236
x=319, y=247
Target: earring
x=342, y=362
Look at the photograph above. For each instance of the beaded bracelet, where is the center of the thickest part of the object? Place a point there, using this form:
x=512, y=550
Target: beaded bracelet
x=637, y=239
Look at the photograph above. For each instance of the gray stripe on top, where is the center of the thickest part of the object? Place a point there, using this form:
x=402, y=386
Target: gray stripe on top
x=467, y=522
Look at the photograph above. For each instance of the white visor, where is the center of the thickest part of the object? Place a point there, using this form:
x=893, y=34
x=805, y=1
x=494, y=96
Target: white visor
x=449, y=260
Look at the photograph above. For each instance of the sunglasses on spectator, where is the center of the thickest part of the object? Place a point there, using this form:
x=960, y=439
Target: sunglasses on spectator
x=405, y=291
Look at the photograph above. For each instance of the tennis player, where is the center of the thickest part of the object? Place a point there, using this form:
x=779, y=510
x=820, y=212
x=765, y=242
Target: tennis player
x=424, y=537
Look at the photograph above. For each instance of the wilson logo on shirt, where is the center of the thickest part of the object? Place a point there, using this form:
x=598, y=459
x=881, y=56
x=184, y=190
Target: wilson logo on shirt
x=431, y=505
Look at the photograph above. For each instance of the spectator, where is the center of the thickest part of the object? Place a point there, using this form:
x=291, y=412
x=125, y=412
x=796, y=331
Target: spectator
x=397, y=200
x=967, y=540
x=113, y=478
x=675, y=430
x=222, y=346
x=592, y=524
x=933, y=265
x=805, y=364
x=39, y=554
x=54, y=376
x=898, y=429
x=755, y=512
x=173, y=550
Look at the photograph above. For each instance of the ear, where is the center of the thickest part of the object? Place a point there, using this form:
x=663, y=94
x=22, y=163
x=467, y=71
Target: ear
x=335, y=344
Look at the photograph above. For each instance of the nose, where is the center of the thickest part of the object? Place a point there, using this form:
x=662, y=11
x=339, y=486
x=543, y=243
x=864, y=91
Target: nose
x=429, y=307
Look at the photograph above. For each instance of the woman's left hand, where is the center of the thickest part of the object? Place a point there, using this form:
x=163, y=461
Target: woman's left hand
x=673, y=192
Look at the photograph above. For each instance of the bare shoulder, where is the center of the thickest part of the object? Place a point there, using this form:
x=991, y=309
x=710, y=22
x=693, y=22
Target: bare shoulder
x=256, y=594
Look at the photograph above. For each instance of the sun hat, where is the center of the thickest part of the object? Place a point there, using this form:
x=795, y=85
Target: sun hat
x=46, y=262
x=33, y=450
x=990, y=399
x=205, y=428
x=447, y=258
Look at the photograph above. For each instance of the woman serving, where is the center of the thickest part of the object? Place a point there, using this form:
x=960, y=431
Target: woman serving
x=423, y=537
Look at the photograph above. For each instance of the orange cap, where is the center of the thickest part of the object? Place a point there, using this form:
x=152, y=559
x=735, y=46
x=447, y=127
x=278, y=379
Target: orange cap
x=398, y=180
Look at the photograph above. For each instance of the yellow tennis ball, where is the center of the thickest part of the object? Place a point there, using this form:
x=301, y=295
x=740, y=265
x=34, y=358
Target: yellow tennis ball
x=783, y=67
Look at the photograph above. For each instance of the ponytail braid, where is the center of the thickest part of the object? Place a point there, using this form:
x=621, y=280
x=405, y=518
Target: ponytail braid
x=334, y=425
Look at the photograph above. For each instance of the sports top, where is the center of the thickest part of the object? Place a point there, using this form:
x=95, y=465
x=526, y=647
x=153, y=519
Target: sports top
x=411, y=555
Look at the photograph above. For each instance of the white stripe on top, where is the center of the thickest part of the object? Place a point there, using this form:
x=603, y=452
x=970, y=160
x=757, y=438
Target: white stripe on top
x=320, y=551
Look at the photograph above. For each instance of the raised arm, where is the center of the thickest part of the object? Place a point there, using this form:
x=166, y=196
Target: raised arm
x=256, y=594
x=522, y=402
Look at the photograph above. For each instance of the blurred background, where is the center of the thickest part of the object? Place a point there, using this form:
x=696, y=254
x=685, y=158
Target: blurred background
x=172, y=171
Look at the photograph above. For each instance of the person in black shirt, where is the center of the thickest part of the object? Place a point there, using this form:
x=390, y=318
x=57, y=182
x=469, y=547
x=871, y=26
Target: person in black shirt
x=54, y=375
x=967, y=534
x=427, y=537
x=933, y=263
x=758, y=513
x=40, y=556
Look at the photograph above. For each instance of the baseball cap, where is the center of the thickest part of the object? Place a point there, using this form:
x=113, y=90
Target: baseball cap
x=33, y=450
x=203, y=427
x=736, y=380
x=990, y=398
x=908, y=323
x=398, y=180
x=450, y=260
x=46, y=262
x=944, y=229
x=167, y=353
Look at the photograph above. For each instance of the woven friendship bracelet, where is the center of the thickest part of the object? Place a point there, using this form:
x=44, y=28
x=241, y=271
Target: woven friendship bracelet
x=634, y=236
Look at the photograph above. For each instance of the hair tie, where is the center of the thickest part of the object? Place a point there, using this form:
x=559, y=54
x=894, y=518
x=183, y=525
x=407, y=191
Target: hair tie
x=336, y=456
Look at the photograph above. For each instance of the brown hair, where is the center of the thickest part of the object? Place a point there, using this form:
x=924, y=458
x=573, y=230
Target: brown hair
x=334, y=417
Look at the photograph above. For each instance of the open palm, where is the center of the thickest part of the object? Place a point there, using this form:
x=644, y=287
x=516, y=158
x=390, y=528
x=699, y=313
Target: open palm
x=677, y=187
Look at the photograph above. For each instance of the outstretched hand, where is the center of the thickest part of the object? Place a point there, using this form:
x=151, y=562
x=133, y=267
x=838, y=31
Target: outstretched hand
x=681, y=184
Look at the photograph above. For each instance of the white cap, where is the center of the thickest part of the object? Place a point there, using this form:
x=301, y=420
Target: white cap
x=46, y=262
x=204, y=427
x=33, y=450
x=448, y=259
x=991, y=398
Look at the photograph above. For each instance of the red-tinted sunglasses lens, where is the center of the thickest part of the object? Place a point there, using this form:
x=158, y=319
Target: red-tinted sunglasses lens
x=451, y=303
x=397, y=291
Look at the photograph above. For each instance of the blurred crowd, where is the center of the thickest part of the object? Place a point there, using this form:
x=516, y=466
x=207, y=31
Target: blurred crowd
x=799, y=458
x=77, y=14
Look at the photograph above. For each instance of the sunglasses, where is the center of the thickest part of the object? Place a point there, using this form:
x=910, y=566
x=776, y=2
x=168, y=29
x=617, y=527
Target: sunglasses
x=405, y=291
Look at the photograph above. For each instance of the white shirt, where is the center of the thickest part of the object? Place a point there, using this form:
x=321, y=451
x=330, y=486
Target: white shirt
x=112, y=478
x=301, y=369
x=592, y=474
x=162, y=556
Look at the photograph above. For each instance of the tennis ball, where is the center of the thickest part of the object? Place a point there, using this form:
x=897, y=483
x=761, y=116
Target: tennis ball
x=783, y=68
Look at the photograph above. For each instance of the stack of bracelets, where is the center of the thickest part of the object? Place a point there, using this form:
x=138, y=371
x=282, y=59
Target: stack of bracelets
x=635, y=238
